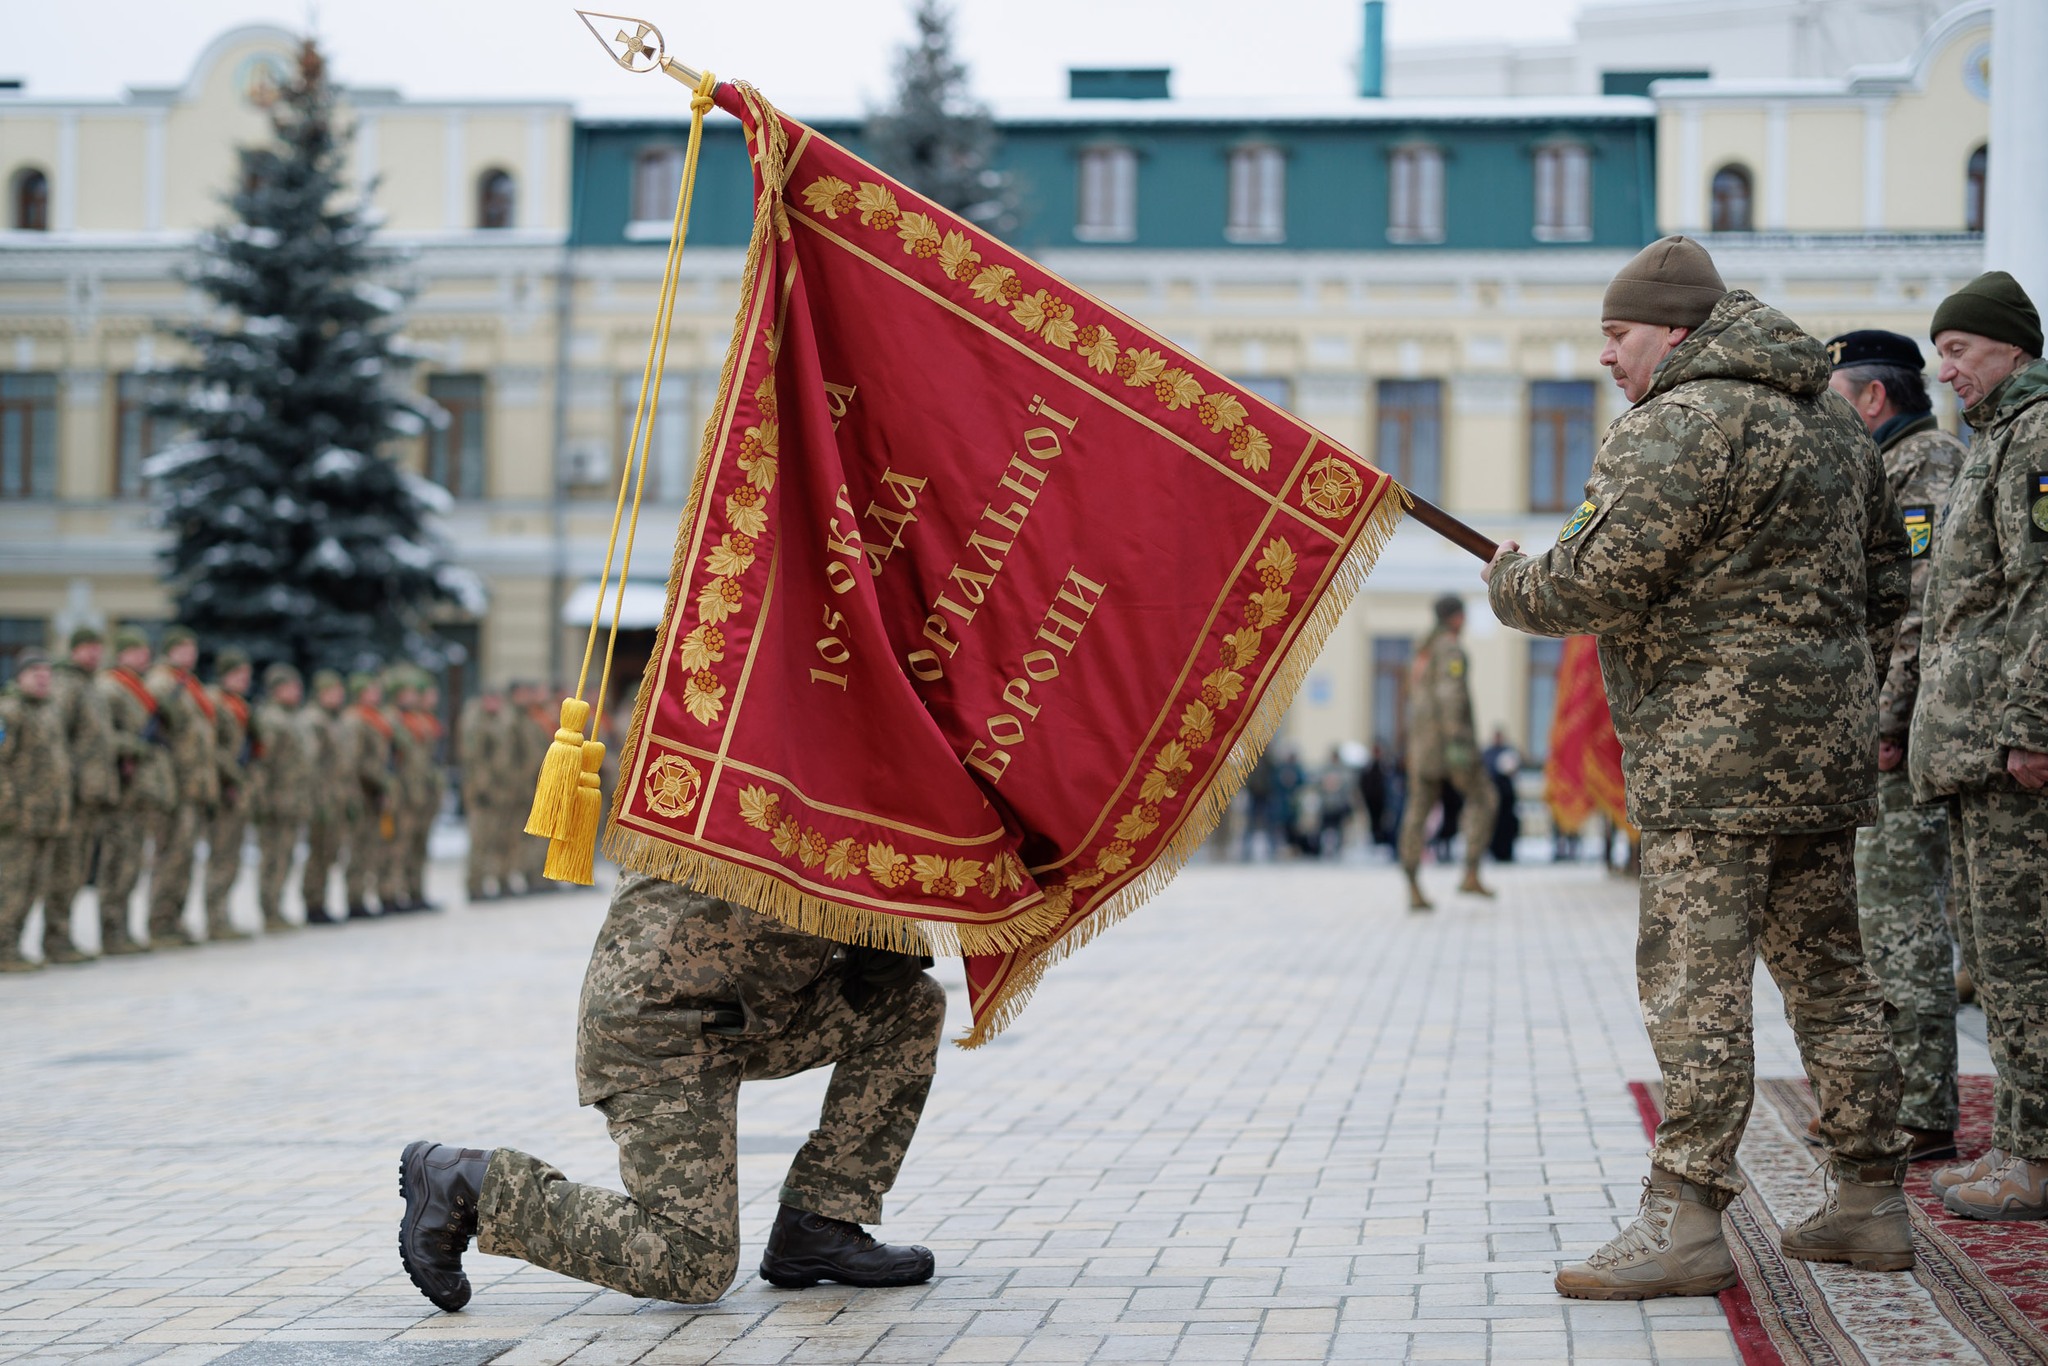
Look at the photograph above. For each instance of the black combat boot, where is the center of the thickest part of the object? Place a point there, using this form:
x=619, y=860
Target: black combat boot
x=358, y=911
x=441, y=1187
x=317, y=915
x=805, y=1248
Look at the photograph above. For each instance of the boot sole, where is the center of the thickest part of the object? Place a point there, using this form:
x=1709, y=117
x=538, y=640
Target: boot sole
x=1698, y=1285
x=1861, y=1261
x=804, y=1275
x=1991, y=1216
x=451, y=1304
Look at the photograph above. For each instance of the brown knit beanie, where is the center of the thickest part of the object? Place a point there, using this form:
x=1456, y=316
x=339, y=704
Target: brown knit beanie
x=1672, y=282
x=1992, y=305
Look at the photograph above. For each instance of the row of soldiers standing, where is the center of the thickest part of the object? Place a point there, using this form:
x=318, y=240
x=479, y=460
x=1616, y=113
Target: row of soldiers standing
x=106, y=772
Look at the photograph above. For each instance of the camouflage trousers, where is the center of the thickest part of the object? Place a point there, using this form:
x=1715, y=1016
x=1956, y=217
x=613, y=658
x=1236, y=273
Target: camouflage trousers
x=24, y=873
x=71, y=868
x=1475, y=823
x=675, y=1234
x=490, y=843
x=529, y=852
x=276, y=843
x=123, y=835
x=419, y=827
x=1711, y=901
x=225, y=835
x=176, y=837
x=325, y=839
x=1901, y=899
x=369, y=855
x=1998, y=847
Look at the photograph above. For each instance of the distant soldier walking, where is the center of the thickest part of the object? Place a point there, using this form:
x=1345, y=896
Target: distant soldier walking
x=1443, y=746
x=234, y=754
x=1742, y=560
x=35, y=800
x=280, y=788
x=1980, y=727
x=186, y=713
x=142, y=763
x=89, y=742
x=1902, y=861
x=333, y=789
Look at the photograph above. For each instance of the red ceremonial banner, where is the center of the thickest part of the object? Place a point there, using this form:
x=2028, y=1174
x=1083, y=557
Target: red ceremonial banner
x=1583, y=773
x=986, y=597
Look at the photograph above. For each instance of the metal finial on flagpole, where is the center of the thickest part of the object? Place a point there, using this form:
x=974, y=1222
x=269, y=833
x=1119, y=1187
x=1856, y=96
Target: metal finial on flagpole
x=640, y=50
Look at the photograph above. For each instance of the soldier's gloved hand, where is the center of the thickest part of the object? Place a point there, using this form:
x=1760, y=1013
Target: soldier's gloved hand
x=870, y=972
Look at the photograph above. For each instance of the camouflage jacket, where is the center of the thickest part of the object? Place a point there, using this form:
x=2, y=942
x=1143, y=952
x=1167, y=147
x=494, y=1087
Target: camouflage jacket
x=1441, y=736
x=367, y=736
x=666, y=954
x=1984, y=651
x=1920, y=460
x=420, y=769
x=186, y=714
x=1742, y=560
x=484, y=753
x=233, y=745
x=35, y=771
x=88, y=737
x=337, y=792
x=142, y=757
x=282, y=780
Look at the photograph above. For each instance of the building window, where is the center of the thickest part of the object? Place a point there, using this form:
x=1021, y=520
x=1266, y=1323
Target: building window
x=1415, y=195
x=1545, y=653
x=1411, y=434
x=455, y=452
x=1560, y=443
x=18, y=635
x=137, y=433
x=1109, y=195
x=657, y=181
x=1391, y=657
x=1258, y=195
x=1277, y=390
x=494, y=199
x=1732, y=201
x=1564, y=193
x=31, y=201
x=28, y=436
x=671, y=450
x=1973, y=190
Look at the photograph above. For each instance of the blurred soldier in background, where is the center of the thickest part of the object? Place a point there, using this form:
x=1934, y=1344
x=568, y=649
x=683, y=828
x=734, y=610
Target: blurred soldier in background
x=1443, y=746
x=400, y=806
x=186, y=714
x=368, y=739
x=419, y=787
x=532, y=724
x=89, y=740
x=333, y=790
x=229, y=827
x=142, y=764
x=281, y=786
x=487, y=788
x=35, y=802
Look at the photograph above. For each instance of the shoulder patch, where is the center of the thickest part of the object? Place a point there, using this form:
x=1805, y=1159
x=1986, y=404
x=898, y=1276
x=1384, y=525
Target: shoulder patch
x=2038, y=512
x=1919, y=527
x=1456, y=668
x=1576, y=522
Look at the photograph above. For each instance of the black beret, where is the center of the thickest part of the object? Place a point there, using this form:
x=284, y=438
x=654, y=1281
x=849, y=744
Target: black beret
x=1875, y=346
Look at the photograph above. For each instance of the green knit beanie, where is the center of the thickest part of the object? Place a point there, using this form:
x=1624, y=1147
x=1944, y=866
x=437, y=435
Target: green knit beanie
x=1992, y=305
x=1672, y=283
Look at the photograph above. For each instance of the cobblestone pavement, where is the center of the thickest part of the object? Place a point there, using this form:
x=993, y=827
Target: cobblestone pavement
x=1273, y=1117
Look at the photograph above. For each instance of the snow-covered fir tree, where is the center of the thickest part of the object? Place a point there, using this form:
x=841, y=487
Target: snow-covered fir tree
x=937, y=138
x=295, y=534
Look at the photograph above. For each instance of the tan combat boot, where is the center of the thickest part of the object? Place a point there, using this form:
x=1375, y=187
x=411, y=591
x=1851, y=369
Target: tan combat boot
x=1863, y=1223
x=1416, y=900
x=2016, y=1189
x=1965, y=1172
x=1674, y=1247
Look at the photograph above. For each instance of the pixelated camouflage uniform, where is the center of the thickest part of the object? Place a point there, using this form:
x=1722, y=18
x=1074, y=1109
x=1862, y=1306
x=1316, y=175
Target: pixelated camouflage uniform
x=489, y=782
x=89, y=742
x=401, y=806
x=185, y=713
x=1902, y=861
x=669, y=1090
x=1443, y=746
x=1983, y=692
x=228, y=830
x=369, y=740
x=35, y=808
x=1743, y=563
x=142, y=762
x=423, y=788
x=336, y=793
x=282, y=784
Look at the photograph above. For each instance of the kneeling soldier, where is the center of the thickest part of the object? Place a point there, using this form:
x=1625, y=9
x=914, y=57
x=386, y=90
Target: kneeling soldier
x=686, y=996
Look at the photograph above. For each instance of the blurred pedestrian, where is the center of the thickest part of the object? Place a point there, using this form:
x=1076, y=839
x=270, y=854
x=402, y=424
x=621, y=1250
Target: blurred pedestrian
x=88, y=730
x=35, y=804
x=1443, y=748
x=1372, y=787
x=1335, y=786
x=1502, y=761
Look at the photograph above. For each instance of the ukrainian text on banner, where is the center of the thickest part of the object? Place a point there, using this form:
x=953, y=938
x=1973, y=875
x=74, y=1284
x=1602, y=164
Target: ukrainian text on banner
x=985, y=599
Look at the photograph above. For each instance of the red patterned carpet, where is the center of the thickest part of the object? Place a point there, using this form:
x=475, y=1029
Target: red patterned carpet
x=1978, y=1291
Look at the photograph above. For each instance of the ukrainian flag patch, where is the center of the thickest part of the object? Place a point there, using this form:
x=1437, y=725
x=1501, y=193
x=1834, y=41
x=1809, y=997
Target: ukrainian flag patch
x=1919, y=528
x=1576, y=522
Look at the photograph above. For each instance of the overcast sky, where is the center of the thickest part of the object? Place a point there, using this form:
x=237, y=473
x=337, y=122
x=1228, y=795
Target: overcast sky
x=795, y=50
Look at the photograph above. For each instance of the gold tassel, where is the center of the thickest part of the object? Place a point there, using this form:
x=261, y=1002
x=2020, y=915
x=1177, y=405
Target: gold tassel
x=572, y=856
x=553, y=794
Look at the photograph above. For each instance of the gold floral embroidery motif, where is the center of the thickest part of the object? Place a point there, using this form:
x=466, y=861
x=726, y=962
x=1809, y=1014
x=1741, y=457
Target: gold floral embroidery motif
x=889, y=869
